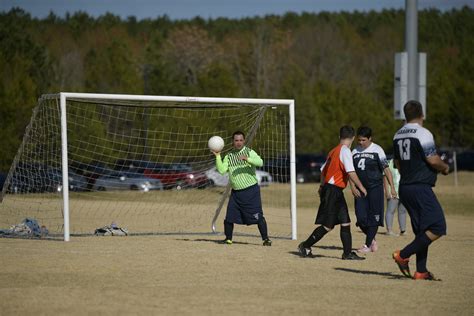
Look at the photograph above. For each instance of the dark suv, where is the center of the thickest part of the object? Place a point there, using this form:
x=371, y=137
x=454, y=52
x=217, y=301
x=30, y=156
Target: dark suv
x=308, y=167
x=465, y=160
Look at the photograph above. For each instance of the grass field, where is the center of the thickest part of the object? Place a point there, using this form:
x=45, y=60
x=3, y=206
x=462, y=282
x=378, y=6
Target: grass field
x=193, y=274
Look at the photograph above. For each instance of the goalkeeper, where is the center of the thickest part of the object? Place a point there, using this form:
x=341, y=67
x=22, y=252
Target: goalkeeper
x=245, y=204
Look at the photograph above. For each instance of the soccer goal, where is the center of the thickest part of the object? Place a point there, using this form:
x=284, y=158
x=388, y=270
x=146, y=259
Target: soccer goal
x=142, y=163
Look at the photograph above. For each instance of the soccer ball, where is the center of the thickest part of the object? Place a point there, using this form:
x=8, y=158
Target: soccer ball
x=216, y=143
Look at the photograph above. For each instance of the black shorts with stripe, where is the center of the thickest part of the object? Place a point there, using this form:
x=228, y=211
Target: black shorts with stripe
x=245, y=206
x=333, y=208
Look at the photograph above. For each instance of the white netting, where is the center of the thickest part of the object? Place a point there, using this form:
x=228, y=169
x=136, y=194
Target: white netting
x=143, y=165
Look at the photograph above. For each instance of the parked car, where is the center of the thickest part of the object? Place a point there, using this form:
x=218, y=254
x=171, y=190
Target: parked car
x=465, y=160
x=54, y=181
x=278, y=167
x=127, y=181
x=308, y=167
x=90, y=171
x=28, y=178
x=264, y=178
x=171, y=175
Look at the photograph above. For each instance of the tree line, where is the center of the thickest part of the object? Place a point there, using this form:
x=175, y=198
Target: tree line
x=337, y=66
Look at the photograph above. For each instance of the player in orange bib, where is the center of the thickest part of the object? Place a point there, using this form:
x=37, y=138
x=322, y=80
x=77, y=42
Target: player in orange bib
x=333, y=210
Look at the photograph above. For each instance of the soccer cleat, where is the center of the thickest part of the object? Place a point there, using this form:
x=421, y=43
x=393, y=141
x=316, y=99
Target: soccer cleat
x=267, y=242
x=402, y=264
x=226, y=242
x=364, y=249
x=351, y=256
x=391, y=233
x=304, y=252
x=373, y=246
x=425, y=276
x=403, y=233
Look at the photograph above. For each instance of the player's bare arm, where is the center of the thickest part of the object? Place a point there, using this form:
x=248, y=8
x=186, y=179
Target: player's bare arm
x=436, y=163
x=353, y=187
x=389, y=177
x=386, y=188
x=397, y=164
x=353, y=177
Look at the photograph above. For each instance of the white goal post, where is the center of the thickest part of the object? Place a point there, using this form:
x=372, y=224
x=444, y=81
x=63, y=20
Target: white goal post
x=172, y=133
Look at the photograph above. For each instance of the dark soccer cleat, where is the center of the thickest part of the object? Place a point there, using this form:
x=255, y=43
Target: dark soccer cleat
x=304, y=252
x=226, y=242
x=425, y=276
x=351, y=256
x=402, y=264
x=267, y=242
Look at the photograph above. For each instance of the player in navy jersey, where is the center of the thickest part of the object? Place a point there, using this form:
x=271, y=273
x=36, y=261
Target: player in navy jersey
x=371, y=166
x=416, y=159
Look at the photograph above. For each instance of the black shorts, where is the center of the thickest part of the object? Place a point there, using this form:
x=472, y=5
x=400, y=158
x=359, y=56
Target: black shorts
x=245, y=206
x=333, y=208
x=424, y=209
x=369, y=209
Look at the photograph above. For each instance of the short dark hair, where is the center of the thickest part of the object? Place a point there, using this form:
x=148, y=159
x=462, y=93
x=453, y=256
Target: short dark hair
x=364, y=131
x=238, y=133
x=346, y=131
x=413, y=110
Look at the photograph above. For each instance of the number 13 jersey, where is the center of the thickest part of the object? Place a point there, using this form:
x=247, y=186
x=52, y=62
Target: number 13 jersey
x=411, y=145
x=369, y=164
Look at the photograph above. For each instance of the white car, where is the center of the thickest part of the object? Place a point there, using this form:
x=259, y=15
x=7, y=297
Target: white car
x=263, y=177
x=127, y=181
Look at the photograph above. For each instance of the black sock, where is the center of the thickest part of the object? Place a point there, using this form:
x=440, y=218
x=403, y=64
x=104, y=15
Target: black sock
x=371, y=232
x=421, y=258
x=421, y=241
x=262, y=228
x=228, y=229
x=346, y=239
x=363, y=229
x=316, y=236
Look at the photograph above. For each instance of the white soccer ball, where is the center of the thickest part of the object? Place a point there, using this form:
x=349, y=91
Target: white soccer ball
x=216, y=143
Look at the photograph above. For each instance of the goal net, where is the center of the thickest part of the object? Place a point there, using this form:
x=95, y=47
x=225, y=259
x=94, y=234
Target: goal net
x=142, y=163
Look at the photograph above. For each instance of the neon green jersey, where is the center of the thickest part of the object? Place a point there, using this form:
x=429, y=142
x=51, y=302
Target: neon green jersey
x=241, y=173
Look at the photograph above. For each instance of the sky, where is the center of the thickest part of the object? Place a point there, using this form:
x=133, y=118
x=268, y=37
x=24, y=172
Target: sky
x=188, y=9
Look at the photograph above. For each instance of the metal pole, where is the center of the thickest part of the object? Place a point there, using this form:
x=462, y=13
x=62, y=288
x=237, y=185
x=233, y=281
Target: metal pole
x=64, y=160
x=455, y=162
x=293, y=172
x=411, y=47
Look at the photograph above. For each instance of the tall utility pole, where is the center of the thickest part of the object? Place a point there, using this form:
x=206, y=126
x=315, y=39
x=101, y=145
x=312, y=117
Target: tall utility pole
x=410, y=66
x=411, y=47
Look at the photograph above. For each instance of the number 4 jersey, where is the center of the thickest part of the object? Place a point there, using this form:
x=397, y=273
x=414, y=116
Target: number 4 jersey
x=369, y=164
x=411, y=145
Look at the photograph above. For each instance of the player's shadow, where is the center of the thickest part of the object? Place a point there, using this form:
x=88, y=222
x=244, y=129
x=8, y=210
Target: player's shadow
x=389, y=275
x=332, y=248
x=216, y=241
x=329, y=247
x=296, y=253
